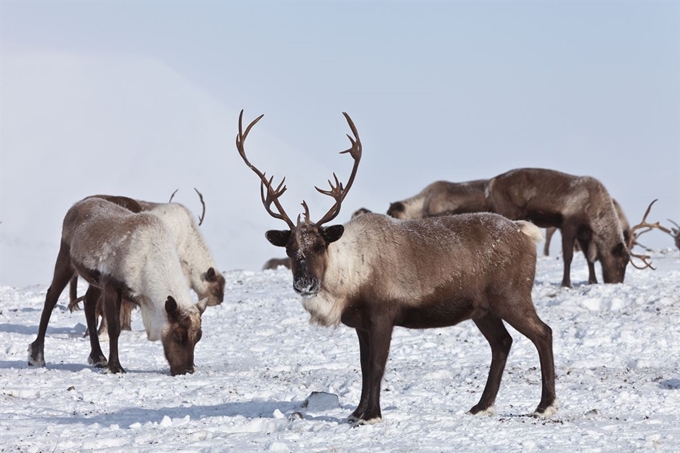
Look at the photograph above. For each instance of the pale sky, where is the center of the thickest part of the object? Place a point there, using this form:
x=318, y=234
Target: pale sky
x=438, y=90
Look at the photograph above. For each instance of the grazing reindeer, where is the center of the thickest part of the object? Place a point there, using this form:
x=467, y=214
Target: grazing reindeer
x=443, y=197
x=625, y=227
x=579, y=206
x=274, y=263
x=125, y=255
x=375, y=272
x=196, y=260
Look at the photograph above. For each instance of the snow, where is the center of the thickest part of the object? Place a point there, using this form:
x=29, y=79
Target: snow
x=267, y=380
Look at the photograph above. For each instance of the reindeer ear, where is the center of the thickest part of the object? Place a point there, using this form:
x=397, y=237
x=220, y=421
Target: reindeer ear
x=278, y=238
x=210, y=275
x=332, y=233
x=171, y=307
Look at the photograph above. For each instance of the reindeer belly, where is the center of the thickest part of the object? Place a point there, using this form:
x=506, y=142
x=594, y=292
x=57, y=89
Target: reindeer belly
x=437, y=314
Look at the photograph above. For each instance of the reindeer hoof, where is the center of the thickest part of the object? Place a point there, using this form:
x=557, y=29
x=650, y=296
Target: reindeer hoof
x=35, y=356
x=546, y=412
x=479, y=410
x=114, y=369
x=98, y=361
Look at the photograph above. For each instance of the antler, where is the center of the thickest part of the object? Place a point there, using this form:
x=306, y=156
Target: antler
x=172, y=196
x=634, y=236
x=202, y=216
x=337, y=191
x=272, y=195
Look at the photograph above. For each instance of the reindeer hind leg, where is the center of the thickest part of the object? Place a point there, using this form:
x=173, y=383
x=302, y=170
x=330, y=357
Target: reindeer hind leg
x=63, y=271
x=530, y=325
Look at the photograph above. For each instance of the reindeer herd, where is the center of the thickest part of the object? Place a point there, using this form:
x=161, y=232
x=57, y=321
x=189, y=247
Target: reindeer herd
x=453, y=252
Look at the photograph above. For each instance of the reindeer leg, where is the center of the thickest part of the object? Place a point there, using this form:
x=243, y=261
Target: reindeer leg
x=500, y=341
x=540, y=334
x=126, y=315
x=92, y=297
x=548, y=237
x=112, y=302
x=568, y=238
x=379, y=338
x=63, y=271
x=364, y=355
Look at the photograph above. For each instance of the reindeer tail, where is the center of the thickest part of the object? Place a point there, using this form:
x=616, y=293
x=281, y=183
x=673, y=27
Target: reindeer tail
x=530, y=230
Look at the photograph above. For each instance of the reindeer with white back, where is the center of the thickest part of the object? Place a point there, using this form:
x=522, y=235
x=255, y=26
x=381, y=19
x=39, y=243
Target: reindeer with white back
x=195, y=258
x=125, y=255
x=375, y=272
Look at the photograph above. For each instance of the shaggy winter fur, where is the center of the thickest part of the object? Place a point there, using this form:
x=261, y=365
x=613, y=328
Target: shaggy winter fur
x=125, y=255
x=376, y=272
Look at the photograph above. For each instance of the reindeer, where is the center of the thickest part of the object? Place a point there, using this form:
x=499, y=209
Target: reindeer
x=196, y=260
x=579, y=206
x=443, y=198
x=361, y=211
x=625, y=228
x=376, y=272
x=274, y=263
x=124, y=255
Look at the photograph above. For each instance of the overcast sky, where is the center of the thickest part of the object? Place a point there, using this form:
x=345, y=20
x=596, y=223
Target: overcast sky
x=139, y=98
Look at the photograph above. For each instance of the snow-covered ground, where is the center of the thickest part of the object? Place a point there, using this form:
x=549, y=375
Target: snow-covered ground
x=260, y=363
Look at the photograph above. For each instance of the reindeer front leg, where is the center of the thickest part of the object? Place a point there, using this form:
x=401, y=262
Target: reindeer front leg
x=112, y=302
x=364, y=357
x=379, y=337
x=568, y=239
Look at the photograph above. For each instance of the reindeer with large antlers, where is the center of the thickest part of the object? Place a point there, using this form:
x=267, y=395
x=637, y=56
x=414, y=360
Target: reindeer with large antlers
x=635, y=234
x=376, y=272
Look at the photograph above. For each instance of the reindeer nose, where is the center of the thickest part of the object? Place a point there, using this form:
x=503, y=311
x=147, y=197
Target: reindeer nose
x=306, y=287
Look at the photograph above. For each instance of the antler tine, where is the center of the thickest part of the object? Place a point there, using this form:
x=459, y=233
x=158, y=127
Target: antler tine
x=634, y=236
x=338, y=192
x=172, y=196
x=202, y=216
x=272, y=195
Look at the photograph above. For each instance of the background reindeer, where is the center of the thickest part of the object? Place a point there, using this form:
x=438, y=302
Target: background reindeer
x=443, y=197
x=375, y=273
x=123, y=255
x=579, y=205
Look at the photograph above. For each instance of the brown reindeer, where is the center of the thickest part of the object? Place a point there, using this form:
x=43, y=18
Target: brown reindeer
x=274, y=263
x=375, y=272
x=124, y=255
x=625, y=227
x=579, y=206
x=443, y=197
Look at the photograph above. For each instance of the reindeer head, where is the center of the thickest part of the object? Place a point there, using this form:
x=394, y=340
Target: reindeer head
x=213, y=287
x=306, y=242
x=181, y=335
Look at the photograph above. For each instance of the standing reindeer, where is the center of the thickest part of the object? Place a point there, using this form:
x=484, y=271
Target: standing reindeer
x=376, y=272
x=125, y=255
x=579, y=206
